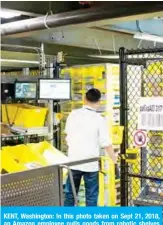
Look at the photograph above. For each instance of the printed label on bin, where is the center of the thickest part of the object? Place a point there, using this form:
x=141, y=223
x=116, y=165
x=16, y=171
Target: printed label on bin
x=32, y=165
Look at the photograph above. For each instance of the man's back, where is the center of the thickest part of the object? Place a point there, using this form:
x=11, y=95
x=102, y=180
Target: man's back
x=85, y=131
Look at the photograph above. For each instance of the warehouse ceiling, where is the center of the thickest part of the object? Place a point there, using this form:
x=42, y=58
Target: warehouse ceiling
x=41, y=7
x=77, y=41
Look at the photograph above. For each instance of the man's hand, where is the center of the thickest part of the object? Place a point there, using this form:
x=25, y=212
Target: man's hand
x=109, y=150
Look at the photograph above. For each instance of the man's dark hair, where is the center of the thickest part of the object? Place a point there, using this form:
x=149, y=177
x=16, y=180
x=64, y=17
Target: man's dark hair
x=93, y=95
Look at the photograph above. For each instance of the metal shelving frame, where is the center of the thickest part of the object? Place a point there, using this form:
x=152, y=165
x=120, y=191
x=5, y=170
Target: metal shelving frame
x=44, y=62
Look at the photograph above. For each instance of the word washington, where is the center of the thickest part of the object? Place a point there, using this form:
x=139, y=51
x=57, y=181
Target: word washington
x=36, y=216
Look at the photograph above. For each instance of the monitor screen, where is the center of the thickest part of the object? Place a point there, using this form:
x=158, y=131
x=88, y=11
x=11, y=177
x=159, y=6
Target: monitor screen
x=25, y=90
x=55, y=89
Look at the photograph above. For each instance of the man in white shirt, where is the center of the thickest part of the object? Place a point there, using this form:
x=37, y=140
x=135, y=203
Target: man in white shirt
x=87, y=132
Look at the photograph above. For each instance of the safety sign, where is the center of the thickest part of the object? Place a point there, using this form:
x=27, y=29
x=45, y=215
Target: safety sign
x=140, y=138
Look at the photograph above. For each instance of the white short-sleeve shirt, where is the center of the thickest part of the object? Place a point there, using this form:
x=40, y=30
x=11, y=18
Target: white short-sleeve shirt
x=87, y=132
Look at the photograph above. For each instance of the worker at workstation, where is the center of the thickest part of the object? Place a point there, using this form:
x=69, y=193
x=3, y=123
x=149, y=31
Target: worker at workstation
x=87, y=133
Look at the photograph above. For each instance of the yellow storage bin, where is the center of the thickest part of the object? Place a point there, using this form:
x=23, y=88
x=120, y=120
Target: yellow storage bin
x=91, y=71
x=20, y=158
x=117, y=134
x=9, y=164
x=50, y=154
x=45, y=147
x=95, y=71
x=84, y=71
x=24, y=115
x=100, y=84
x=76, y=72
x=100, y=70
x=25, y=155
x=40, y=147
x=155, y=68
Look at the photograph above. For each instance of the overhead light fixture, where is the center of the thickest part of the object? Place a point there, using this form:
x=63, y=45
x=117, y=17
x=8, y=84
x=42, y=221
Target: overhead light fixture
x=19, y=61
x=8, y=14
x=148, y=37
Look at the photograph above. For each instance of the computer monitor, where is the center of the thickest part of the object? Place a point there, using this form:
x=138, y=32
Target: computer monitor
x=25, y=90
x=55, y=89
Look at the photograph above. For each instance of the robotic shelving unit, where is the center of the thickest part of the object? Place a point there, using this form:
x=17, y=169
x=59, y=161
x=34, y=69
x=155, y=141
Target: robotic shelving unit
x=105, y=77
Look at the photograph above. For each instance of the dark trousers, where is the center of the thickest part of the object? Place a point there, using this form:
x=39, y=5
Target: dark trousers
x=91, y=187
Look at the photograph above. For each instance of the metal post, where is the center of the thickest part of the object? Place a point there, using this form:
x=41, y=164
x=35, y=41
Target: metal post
x=56, y=74
x=123, y=122
x=42, y=60
x=49, y=61
x=143, y=150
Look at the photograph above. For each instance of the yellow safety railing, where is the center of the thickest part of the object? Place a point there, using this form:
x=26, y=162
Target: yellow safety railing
x=107, y=189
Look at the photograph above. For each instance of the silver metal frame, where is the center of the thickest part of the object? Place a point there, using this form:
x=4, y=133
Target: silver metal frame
x=42, y=186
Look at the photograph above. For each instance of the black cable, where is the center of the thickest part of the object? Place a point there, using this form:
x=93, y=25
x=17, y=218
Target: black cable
x=15, y=116
x=7, y=114
x=138, y=26
x=6, y=102
x=117, y=171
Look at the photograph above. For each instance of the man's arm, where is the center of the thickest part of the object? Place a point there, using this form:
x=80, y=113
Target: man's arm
x=110, y=151
x=69, y=125
x=105, y=141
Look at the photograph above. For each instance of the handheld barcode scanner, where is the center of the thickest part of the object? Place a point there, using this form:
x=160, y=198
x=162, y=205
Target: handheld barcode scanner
x=130, y=157
x=117, y=172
